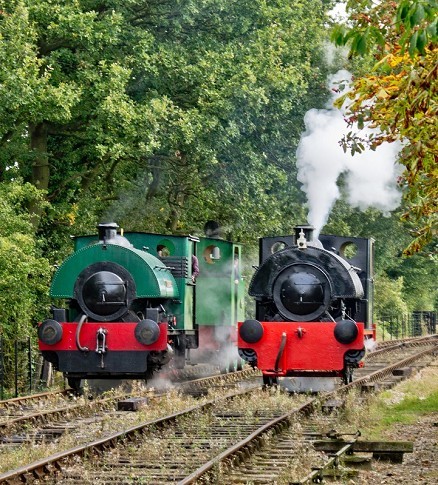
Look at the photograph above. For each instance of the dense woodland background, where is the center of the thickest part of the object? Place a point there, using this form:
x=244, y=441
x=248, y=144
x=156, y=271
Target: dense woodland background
x=163, y=114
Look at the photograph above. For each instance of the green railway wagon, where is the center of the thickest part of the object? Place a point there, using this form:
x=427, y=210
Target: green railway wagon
x=219, y=299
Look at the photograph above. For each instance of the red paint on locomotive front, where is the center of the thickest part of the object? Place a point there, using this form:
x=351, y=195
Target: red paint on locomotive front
x=317, y=350
x=120, y=336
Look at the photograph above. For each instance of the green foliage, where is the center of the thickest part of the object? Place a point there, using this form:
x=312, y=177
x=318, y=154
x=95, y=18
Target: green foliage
x=402, y=284
x=159, y=115
x=164, y=114
x=420, y=24
x=414, y=23
x=232, y=89
x=420, y=272
x=24, y=274
x=211, y=102
x=405, y=403
x=388, y=295
x=415, y=402
x=412, y=406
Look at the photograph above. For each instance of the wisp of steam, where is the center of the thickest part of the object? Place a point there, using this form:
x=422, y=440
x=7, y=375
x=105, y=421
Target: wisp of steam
x=370, y=177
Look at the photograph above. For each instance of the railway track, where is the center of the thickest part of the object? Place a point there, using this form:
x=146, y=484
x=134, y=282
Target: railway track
x=279, y=449
x=215, y=440
x=82, y=420
x=38, y=421
x=389, y=345
x=41, y=411
x=40, y=406
x=19, y=405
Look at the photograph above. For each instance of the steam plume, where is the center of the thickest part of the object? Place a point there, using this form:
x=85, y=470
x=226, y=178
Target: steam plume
x=370, y=176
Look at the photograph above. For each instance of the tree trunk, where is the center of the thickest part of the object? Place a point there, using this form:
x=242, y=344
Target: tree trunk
x=177, y=191
x=40, y=166
x=176, y=202
x=156, y=178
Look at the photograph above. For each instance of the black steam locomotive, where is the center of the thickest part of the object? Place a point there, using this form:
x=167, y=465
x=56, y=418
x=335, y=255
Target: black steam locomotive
x=313, y=306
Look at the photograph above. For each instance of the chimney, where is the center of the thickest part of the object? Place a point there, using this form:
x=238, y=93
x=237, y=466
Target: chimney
x=107, y=231
x=303, y=236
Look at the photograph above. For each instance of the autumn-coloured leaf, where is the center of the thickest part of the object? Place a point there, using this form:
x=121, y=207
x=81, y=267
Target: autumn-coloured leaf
x=402, y=88
x=382, y=94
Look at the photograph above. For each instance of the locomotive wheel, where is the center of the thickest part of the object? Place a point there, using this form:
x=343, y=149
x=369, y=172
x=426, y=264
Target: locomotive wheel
x=75, y=384
x=149, y=374
x=179, y=357
x=269, y=381
x=347, y=375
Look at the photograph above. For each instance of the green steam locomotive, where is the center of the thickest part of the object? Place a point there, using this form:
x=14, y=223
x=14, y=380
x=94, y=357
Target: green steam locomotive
x=133, y=302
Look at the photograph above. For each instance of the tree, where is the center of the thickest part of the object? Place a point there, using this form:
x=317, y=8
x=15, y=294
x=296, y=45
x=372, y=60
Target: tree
x=148, y=110
x=235, y=94
x=64, y=73
x=388, y=297
x=399, y=97
x=24, y=273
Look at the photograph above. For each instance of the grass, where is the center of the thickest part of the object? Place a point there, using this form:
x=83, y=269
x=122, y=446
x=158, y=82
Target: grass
x=406, y=411
x=403, y=404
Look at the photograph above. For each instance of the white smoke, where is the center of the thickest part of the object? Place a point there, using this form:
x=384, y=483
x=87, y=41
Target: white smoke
x=371, y=176
x=370, y=344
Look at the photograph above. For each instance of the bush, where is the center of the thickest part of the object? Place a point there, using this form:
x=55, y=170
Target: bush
x=24, y=273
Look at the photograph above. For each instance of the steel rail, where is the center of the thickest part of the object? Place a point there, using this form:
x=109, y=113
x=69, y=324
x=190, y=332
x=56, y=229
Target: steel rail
x=57, y=413
x=378, y=374
x=41, y=467
x=407, y=340
x=236, y=452
x=250, y=442
x=245, y=446
x=220, y=378
x=400, y=344
x=18, y=401
x=318, y=474
x=180, y=376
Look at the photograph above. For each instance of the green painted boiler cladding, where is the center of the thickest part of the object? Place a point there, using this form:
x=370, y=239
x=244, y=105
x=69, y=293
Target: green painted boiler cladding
x=134, y=302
